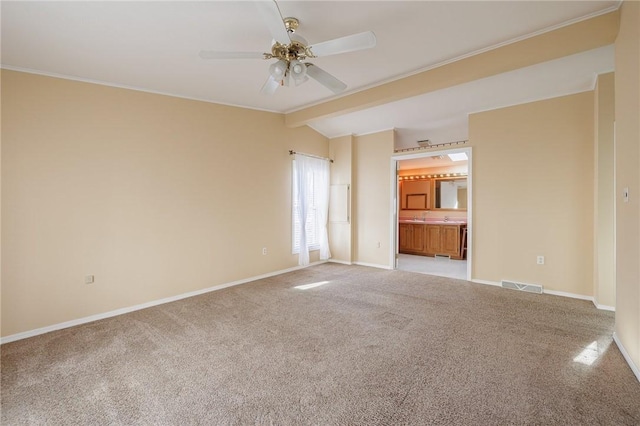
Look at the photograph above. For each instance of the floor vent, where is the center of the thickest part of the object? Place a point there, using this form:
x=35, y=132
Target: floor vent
x=442, y=256
x=530, y=288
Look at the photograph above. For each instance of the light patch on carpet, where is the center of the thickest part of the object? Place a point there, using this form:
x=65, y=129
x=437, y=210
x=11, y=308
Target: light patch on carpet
x=590, y=354
x=312, y=285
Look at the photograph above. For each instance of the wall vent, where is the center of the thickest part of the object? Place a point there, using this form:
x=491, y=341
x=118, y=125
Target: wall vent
x=530, y=288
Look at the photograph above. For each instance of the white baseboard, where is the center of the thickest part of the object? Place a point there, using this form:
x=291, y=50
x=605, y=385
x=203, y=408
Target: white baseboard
x=372, y=265
x=91, y=318
x=486, y=282
x=581, y=297
x=626, y=356
x=604, y=307
x=342, y=262
x=557, y=293
x=570, y=295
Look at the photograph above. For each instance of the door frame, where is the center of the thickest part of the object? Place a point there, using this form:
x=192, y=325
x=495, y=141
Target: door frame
x=395, y=206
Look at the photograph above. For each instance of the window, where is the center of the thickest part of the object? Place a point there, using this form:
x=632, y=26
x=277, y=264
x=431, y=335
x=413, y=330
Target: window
x=310, y=207
x=312, y=224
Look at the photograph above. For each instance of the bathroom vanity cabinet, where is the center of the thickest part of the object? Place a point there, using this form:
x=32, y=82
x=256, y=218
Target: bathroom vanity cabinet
x=431, y=239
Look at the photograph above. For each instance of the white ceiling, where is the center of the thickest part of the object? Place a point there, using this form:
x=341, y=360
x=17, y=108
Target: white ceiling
x=153, y=46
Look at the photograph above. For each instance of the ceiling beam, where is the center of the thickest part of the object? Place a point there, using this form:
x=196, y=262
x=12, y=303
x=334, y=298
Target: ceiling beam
x=571, y=39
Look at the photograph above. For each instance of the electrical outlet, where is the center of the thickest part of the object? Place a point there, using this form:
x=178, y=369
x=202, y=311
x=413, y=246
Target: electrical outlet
x=89, y=279
x=264, y=251
x=378, y=244
x=540, y=260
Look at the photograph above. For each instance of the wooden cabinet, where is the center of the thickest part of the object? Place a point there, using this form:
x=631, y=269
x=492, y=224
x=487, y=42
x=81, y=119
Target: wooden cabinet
x=450, y=237
x=404, y=237
x=411, y=238
x=431, y=239
x=417, y=238
x=415, y=195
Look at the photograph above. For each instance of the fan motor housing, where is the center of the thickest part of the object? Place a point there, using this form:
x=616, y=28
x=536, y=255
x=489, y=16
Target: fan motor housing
x=289, y=52
x=297, y=49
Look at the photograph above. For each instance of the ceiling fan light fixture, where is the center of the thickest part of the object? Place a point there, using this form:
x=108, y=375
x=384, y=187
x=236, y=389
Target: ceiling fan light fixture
x=299, y=81
x=298, y=70
x=278, y=69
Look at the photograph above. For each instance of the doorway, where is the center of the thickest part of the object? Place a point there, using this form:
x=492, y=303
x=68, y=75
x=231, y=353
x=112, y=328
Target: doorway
x=431, y=204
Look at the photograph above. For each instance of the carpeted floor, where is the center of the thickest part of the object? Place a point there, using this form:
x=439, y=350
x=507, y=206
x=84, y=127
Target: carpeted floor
x=367, y=347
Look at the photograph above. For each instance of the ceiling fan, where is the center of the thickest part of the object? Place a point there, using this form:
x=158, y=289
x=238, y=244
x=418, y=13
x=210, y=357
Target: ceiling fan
x=292, y=51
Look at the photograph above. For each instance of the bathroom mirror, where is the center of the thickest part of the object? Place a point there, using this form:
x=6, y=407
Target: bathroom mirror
x=451, y=194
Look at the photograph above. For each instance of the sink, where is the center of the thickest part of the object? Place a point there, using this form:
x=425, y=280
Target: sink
x=450, y=222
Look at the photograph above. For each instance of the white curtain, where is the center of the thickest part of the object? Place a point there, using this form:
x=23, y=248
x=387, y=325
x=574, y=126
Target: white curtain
x=312, y=174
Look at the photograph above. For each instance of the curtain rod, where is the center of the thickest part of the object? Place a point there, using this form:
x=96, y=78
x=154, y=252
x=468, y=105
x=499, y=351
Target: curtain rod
x=292, y=152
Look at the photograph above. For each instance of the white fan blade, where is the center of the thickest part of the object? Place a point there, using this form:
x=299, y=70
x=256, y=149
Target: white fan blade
x=350, y=43
x=270, y=86
x=211, y=54
x=273, y=18
x=326, y=79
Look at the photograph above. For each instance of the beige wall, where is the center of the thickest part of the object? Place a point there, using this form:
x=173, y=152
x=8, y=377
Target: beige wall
x=372, y=195
x=0, y=208
x=340, y=150
x=627, y=155
x=604, y=239
x=533, y=193
x=155, y=196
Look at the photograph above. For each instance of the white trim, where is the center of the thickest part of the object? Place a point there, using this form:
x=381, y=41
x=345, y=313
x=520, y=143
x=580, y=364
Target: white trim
x=469, y=242
x=615, y=214
x=494, y=283
x=372, y=265
x=570, y=295
x=394, y=239
x=342, y=262
x=121, y=311
x=604, y=307
x=626, y=356
x=394, y=204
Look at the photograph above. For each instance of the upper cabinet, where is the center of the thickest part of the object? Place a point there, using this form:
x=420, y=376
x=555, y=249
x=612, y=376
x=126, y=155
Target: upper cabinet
x=449, y=193
x=415, y=195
